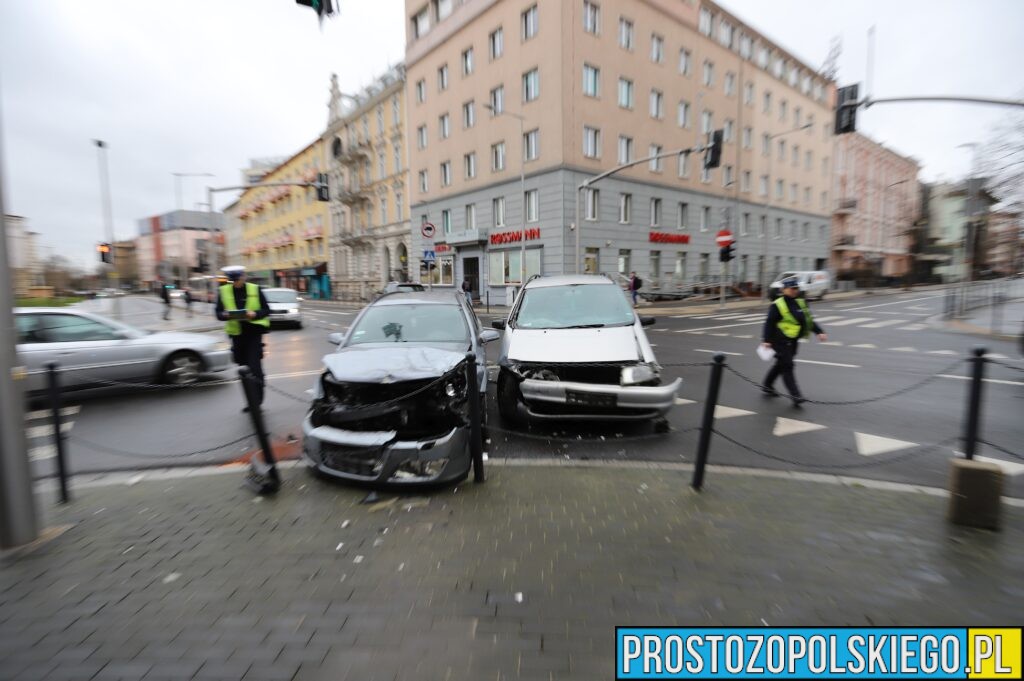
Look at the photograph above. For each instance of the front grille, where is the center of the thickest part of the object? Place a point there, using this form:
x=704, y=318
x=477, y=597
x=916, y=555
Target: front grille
x=603, y=373
x=364, y=462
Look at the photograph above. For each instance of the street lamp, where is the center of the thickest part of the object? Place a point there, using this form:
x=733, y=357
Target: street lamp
x=177, y=186
x=522, y=187
x=108, y=218
x=767, y=207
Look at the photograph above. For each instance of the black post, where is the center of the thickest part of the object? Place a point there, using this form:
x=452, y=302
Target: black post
x=262, y=477
x=53, y=383
x=708, y=421
x=487, y=293
x=974, y=402
x=476, y=437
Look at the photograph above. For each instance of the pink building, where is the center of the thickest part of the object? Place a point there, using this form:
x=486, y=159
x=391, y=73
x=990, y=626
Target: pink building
x=1004, y=242
x=171, y=245
x=876, y=192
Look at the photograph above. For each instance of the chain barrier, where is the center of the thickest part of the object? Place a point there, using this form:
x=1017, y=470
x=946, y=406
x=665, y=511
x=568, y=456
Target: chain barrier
x=913, y=453
x=154, y=386
x=136, y=455
x=999, y=448
x=1004, y=364
x=274, y=389
x=896, y=393
x=580, y=440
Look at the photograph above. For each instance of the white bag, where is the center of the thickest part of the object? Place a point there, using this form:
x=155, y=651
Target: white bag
x=765, y=353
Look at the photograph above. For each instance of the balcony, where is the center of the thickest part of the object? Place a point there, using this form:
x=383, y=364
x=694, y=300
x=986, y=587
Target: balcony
x=355, y=153
x=844, y=242
x=352, y=194
x=356, y=235
x=846, y=206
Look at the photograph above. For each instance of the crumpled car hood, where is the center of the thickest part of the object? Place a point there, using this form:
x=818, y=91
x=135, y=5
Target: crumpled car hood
x=391, y=364
x=610, y=344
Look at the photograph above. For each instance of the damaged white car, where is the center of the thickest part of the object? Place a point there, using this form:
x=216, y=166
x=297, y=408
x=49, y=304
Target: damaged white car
x=574, y=349
x=391, y=407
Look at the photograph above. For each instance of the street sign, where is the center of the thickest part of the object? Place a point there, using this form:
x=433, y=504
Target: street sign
x=724, y=238
x=427, y=230
x=428, y=256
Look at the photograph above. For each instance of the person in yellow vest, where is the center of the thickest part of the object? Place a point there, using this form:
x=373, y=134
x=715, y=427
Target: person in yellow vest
x=789, y=320
x=246, y=333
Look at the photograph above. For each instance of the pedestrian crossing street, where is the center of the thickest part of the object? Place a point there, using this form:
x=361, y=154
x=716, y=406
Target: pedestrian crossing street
x=873, y=322
x=39, y=431
x=865, y=444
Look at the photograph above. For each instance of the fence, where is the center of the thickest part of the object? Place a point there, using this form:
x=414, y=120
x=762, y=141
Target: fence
x=971, y=297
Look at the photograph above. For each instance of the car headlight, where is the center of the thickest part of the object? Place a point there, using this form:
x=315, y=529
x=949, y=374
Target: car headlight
x=295, y=311
x=638, y=374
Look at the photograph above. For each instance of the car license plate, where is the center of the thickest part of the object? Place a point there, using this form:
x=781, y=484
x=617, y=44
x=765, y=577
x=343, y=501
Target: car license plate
x=590, y=399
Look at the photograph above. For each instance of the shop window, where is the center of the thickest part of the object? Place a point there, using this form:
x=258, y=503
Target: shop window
x=504, y=266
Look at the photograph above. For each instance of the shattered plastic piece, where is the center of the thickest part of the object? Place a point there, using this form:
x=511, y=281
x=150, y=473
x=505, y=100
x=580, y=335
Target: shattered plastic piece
x=519, y=597
x=127, y=549
x=345, y=523
x=378, y=541
x=643, y=485
x=134, y=480
x=257, y=500
x=338, y=547
x=172, y=577
x=358, y=559
x=485, y=456
x=401, y=566
x=371, y=498
x=291, y=437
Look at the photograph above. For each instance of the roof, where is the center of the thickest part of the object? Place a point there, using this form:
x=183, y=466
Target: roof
x=569, y=280
x=449, y=297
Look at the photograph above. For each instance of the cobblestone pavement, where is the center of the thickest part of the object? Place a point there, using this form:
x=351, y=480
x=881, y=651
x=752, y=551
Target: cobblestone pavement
x=524, y=577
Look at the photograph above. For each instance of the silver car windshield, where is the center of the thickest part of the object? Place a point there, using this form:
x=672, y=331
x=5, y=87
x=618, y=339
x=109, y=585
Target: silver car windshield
x=574, y=307
x=281, y=296
x=410, y=324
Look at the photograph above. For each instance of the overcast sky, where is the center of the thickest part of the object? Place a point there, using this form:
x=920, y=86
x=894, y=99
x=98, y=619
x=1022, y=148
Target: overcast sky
x=203, y=86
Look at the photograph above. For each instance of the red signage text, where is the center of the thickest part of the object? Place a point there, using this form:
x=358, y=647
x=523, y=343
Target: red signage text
x=514, y=237
x=667, y=238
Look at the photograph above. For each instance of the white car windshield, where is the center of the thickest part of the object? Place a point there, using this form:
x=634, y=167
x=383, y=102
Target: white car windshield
x=410, y=324
x=574, y=306
x=281, y=296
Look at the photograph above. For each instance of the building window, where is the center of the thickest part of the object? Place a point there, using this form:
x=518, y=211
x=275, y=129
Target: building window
x=728, y=130
x=704, y=23
x=782, y=151
x=778, y=229
x=531, y=85
x=655, y=212
x=421, y=23
x=625, y=34
x=446, y=174
x=806, y=231
x=780, y=190
x=591, y=142
x=683, y=217
x=657, y=48
x=705, y=174
x=531, y=145
x=446, y=221
x=498, y=210
x=381, y=169
x=748, y=137
x=591, y=17
x=705, y=218
x=443, y=8
x=808, y=161
x=532, y=203
x=395, y=115
x=822, y=233
x=796, y=117
x=467, y=61
x=730, y=84
x=421, y=137
x=423, y=181
x=745, y=225
x=399, y=206
x=591, y=80
x=706, y=122
x=824, y=200
x=796, y=155
x=807, y=196
x=766, y=144
x=497, y=100
x=444, y=126
x=748, y=94
x=625, y=149
x=655, y=166
x=421, y=91
x=746, y=46
x=684, y=61
x=383, y=211
x=762, y=226
x=469, y=114
x=726, y=176
x=397, y=158
x=655, y=265
x=680, y=271
x=505, y=267
x=498, y=156
x=471, y=217
x=625, y=93
x=469, y=162
x=792, y=230
x=496, y=43
x=684, y=165
x=725, y=33
x=745, y=181
x=709, y=73
x=683, y=114
x=623, y=263
x=824, y=167
x=767, y=103
x=794, y=190
x=380, y=120
x=625, y=208
x=783, y=110
x=442, y=78
x=656, y=106
x=591, y=203
x=529, y=22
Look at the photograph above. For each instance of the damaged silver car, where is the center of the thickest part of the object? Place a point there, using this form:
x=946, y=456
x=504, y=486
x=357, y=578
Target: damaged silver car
x=392, y=407
x=574, y=349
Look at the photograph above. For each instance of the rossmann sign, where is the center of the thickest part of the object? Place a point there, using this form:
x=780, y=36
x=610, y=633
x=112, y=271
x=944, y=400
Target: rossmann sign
x=515, y=237
x=667, y=238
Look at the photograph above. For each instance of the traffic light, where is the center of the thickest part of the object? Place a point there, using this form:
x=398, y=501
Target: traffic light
x=713, y=153
x=324, y=8
x=846, y=109
x=106, y=255
x=725, y=253
x=323, y=192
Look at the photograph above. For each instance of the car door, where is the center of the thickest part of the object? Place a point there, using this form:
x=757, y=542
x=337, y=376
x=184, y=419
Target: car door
x=33, y=352
x=87, y=349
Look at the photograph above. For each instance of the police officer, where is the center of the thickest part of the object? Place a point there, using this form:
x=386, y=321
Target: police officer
x=789, y=320
x=246, y=334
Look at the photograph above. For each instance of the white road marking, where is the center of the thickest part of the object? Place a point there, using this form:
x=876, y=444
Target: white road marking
x=720, y=335
x=828, y=364
x=742, y=336
x=294, y=374
x=42, y=453
x=996, y=355
x=867, y=346
x=883, y=323
x=74, y=409
x=716, y=328
x=855, y=320
x=722, y=412
x=903, y=349
x=913, y=327
x=785, y=427
x=942, y=352
x=715, y=352
x=870, y=445
x=835, y=343
x=826, y=319
x=681, y=401
x=1009, y=467
x=319, y=311
x=898, y=302
x=47, y=430
x=986, y=380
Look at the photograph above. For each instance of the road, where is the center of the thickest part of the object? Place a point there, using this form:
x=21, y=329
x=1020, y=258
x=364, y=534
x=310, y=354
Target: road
x=877, y=345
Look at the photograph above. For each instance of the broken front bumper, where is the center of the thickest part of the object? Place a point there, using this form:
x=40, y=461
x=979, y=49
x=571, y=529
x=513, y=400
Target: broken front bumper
x=589, y=401
x=381, y=458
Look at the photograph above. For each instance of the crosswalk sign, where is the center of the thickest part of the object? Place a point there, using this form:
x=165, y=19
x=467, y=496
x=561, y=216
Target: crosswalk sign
x=429, y=256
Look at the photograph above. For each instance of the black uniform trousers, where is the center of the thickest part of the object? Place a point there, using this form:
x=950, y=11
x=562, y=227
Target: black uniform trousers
x=785, y=353
x=247, y=350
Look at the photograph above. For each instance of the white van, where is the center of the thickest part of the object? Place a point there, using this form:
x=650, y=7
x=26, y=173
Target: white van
x=813, y=284
x=285, y=306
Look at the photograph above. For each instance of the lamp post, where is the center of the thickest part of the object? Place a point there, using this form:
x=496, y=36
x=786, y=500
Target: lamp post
x=177, y=186
x=108, y=218
x=767, y=207
x=522, y=188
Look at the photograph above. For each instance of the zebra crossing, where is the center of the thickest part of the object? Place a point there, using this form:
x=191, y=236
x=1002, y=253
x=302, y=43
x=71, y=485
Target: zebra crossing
x=903, y=322
x=39, y=431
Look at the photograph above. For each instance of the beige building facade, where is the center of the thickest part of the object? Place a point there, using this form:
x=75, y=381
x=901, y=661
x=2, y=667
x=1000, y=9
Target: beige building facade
x=370, y=231
x=567, y=90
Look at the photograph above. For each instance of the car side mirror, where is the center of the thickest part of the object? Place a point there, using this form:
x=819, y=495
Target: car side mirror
x=498, y=324
x=335, y=338
x=647, y=321
x=488, y=335
x=123, y=334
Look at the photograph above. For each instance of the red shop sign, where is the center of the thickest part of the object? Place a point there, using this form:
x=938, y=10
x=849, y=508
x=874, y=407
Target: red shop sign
x=514, y=237
x=442, y=248
x=667, y=238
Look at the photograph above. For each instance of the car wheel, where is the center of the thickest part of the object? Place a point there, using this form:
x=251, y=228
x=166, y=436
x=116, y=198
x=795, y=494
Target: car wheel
x=298, y=325
x=822, y=296
x=182, y=368
x=508, y=398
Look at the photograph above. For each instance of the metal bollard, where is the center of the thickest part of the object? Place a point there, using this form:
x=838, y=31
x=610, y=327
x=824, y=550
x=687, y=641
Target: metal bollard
x=973, y=422
x=487, y=295
x=53, y=388
x=261, y=478
x=708, y=421
x=476, y=436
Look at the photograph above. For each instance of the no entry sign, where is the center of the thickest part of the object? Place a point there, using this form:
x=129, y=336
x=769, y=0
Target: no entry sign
x=724, y=238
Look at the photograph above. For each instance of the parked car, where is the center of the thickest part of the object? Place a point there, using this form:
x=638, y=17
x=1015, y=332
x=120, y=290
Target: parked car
x=813, y=284
x=574, y=348
x=285, y=306
x=91, y=349
x=400, y=287
x=391, y=407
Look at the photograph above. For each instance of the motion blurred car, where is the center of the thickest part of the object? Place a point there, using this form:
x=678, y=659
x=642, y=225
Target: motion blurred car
x=92, y=349
x=574, y=349
x=285, y=306
x=402, y=287
x=813, y=284
x=391, y=407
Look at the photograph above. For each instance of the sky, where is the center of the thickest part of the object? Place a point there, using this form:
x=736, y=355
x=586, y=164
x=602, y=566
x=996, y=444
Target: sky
x=202, y=86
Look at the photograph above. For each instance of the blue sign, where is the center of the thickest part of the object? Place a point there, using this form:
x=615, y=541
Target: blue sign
x=428, y=256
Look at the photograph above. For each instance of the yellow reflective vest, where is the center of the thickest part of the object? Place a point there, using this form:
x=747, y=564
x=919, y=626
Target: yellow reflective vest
x=788, y=325
x=233, y=327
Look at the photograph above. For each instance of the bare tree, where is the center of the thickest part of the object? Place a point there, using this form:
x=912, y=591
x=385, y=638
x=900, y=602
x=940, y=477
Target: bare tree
x=1002, y=160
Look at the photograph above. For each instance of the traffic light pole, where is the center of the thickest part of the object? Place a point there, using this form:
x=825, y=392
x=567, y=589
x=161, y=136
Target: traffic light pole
x=108, y=219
